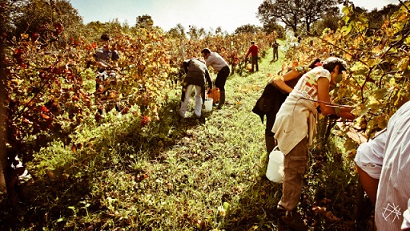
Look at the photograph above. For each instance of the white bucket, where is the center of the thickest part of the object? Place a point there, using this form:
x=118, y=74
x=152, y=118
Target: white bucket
x=274, y=172
x=208, y=104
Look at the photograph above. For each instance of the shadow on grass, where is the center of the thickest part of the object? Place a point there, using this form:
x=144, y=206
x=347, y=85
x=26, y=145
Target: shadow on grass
x=63, y=194
x=50, y=199
x=328, y=202
x=256, y=208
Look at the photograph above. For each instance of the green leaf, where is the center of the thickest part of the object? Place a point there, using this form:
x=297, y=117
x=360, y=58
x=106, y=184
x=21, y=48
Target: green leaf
x=346, y=30
x=61, y=219
x=374, y=62
x=360, y=110
x=380, y=93
x=359, y=69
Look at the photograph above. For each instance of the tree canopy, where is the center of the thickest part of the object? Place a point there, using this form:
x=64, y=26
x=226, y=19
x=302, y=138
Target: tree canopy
x=247, y=29
x=31, y=16
x=145, y=21
x=295, y=13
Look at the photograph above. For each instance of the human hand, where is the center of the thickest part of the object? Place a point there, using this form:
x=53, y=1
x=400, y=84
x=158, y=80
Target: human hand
x=346, y=112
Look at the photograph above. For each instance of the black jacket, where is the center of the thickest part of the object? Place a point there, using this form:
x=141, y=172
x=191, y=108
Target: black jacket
x=196, y=74
x=271, y=100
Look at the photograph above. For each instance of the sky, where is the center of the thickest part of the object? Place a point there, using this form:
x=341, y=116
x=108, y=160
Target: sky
x=207, y=14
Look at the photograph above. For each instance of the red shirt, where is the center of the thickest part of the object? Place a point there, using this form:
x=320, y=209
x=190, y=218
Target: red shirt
x=253, y=50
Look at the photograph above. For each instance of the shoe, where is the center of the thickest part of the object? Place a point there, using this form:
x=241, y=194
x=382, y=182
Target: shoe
x=292, y=219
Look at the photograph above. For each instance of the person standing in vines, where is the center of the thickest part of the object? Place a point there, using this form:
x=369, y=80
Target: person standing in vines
x=253, y=50
x=275, y=46
x=274, y=95
x=196, y=76
x=294, y=130
x=221, y=66
x=103, y=57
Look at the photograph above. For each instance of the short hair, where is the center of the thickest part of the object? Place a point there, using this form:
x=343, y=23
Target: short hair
x=105, y=37
x=206, y=51
x=314, y=63
x=253, y=42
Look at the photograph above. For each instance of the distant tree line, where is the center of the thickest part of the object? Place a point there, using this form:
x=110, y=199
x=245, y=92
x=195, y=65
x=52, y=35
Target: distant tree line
x=313, y=16
x=34, y=17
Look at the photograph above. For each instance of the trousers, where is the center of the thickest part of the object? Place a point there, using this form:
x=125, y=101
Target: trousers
x=295, y=166
x=198, y=100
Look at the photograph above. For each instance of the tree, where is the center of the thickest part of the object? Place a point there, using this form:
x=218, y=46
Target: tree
x=329, y=21
x=314, y=11
x=377, y=17
x=145, y=21
x=247, y=29
x=195, y=33
x=26, y=20
x=295, y=13
x=272, y=11
x=178, y=31
x=31, y=16
x=270, y=27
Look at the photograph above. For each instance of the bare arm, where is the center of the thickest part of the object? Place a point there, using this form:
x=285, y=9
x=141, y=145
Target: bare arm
x=324, y=101
x=280, y=83
x=369, y=184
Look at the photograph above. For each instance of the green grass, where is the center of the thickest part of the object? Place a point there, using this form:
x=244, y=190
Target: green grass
x=175, y=174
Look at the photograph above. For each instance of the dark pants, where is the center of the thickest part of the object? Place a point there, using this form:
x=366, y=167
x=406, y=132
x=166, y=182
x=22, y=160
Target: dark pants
x=221, y=78
x=255, y=63
x=275, y=54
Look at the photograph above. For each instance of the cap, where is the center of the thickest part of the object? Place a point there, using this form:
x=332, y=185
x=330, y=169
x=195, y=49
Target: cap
x=336, y=60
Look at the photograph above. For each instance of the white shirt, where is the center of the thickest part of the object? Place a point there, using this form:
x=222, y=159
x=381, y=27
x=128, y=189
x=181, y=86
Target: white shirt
x=394, y=184
x=307, y=86
x=216, y=61
x=370, y=155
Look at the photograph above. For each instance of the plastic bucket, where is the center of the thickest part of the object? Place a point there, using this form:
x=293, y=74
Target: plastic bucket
x=208, y=104
x=274, y=172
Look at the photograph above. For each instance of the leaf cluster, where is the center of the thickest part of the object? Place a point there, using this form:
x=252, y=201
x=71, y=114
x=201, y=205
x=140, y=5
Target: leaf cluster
x=51, y=86
x=377, y=81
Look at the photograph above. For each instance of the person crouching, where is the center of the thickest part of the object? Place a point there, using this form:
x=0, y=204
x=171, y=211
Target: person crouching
x=196, y=75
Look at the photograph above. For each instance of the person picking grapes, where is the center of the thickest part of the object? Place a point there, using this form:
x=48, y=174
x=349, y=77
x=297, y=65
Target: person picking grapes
x=294, y=129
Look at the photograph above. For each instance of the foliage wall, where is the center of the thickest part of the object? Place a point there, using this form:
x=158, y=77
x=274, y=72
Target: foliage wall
x=377, y=81
x=51, y=76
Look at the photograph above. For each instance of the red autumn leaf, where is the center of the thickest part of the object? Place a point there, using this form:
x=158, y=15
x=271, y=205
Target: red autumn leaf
x=44, y=109
x=46, y=117
x=59, y=27
x=145, y=120
x=25, y=120
x=74, y=149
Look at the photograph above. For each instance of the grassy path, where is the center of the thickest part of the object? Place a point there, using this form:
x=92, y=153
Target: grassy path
x=216, y=170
